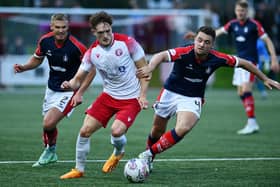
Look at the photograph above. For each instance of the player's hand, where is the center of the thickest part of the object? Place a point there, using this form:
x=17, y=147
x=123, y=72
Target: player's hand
x=144, y=73
x=272, y=83
x=76, y=100
x=66, y=85
x=143, y=102
x=18, y=68
x=189, y=35
x=275, y=67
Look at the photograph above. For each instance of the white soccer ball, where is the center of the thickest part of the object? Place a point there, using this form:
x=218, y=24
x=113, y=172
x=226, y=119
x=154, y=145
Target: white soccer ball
x=136, y=170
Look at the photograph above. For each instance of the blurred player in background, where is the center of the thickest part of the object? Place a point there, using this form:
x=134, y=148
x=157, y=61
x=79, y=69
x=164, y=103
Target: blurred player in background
x=246, y=32
x=116, y=57
x=184, y=89
x=64, y=53
x=263, y=65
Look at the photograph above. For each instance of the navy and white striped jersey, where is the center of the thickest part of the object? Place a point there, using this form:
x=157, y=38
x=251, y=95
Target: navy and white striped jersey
x=245, y=36
x=64, y=60
x=189, y=75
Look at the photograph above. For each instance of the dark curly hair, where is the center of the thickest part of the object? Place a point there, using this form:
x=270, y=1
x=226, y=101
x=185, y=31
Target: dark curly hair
x=100, y=17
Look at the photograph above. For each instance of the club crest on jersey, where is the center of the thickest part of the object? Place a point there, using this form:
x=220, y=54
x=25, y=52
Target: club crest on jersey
x=246, y=29
x=49, y=53
x=208, y=70
x=65, y=58
x=119, y=52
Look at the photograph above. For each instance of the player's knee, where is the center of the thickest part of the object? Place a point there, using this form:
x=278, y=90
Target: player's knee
x=48, y=123
x=117, y=132
x=85, y=132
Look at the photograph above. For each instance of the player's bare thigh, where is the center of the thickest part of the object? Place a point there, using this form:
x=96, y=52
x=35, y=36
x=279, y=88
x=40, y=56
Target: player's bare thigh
x=52, y=117
x=90, y=125
x=185, y=122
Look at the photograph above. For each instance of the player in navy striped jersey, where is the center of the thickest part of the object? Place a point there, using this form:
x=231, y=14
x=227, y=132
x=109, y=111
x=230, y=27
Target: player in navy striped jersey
x=246, y=32
x=64, y=53
x=183, y=91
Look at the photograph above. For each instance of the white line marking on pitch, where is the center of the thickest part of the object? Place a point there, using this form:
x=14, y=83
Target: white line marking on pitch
x=161, y=160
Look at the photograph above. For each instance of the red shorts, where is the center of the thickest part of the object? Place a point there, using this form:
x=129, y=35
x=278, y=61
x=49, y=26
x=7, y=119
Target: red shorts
x=105, y=106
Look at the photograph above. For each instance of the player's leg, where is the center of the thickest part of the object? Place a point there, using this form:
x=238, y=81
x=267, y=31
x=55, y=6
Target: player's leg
x=188, y=112
x=158, y=129
x=90, y=126
x=127, y=110
x=249, y=106
x=118, y=140
x=185, y=122
x=244, y=81
x=56, y=106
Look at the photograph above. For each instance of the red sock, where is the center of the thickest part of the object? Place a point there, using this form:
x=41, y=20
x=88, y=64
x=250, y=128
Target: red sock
x=166, y=141
x=150, y=141
x=249, y=104
x=49, y=137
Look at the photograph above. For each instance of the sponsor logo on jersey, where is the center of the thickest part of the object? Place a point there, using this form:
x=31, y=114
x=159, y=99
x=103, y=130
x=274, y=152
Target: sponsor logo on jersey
x=240, y=39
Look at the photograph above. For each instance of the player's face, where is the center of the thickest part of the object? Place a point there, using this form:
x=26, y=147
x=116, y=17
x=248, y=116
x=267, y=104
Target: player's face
x=241, y=13
x=202, y=44
x=103, y=33
x=60, y=29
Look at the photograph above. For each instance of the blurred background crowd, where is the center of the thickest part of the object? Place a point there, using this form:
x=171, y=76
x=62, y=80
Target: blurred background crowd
x=155, y=35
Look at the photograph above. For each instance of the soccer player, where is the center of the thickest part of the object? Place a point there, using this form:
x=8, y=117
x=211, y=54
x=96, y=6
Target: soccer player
x=64, y=53
x=116, y=57
x=246, y=32
x=184, y=89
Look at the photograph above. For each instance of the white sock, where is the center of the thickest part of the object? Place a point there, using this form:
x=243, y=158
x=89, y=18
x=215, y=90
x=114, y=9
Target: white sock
x=118, y=143
x=252, y=121
x=82, y=149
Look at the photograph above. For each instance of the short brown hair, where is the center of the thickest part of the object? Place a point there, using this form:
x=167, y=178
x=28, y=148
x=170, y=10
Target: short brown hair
x=60, y=17
x=242, y=3
x=207, y=30
x=100, y=17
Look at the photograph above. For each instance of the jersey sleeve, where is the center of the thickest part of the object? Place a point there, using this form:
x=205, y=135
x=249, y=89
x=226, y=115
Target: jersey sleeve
x=135, y=49
x=176, y=53
x=87, y=64
x=38, y=51
x=227, y=27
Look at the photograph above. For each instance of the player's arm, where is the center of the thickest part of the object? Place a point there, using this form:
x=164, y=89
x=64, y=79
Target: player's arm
x=271, y=49
x=78, y=97
x=220, y=31
x=76, y=81
x=31, y=64
x=156, y=59
x=245, y=64
x=144, y=82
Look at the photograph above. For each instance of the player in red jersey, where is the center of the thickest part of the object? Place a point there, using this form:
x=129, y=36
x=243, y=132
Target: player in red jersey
x=64, y=53
x=116, y=57
x=184, y=89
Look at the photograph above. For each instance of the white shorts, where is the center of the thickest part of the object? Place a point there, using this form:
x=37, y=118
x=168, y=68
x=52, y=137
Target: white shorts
x=59, y=100
x=242, y=76
x=169, y=103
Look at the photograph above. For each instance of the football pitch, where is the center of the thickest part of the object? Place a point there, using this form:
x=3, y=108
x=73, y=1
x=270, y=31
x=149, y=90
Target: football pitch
x=212, y=154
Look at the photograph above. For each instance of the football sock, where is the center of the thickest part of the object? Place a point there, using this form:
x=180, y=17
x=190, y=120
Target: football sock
x=118, y=143
x=166, y=141
x=150, y=141
x=50, y=136
x=82, y=150
x=249, y=104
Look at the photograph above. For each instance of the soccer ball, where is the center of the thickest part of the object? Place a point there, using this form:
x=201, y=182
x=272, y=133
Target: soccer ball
x=136, y=170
